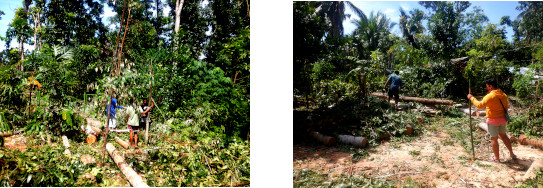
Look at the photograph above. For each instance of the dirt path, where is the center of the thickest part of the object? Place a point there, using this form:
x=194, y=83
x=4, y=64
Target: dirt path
x=432, y=159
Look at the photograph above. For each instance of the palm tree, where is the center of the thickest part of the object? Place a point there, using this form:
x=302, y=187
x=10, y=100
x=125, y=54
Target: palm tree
x=371, y=34
x=411, y=25
x=335, y=12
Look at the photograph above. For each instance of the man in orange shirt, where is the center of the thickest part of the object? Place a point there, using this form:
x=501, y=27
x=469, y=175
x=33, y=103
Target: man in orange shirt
x=495, y=102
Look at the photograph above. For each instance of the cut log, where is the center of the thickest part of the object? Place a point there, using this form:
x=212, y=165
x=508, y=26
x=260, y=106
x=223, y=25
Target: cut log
x=91, y=139
x=6, y=134
x=96, y=130
x=474, y=112
x=484, y=127
x=353, y=140
x=327, y=140
x=133, y=177
x=66, y=144
x=417, y=99
x=537, y=165
x=408, y=130
x=532, y=142
x=87, y=159
x=124, y=144
x=421, y=121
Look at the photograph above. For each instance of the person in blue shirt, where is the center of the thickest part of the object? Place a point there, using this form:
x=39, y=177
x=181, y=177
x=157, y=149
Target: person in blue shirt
x=395, y=86
x=112, y=118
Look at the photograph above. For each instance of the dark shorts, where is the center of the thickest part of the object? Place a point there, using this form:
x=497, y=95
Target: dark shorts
x=133, y=128
x=394, y=93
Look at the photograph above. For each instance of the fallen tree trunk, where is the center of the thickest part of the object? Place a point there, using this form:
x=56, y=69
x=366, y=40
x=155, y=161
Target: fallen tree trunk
x=532, y=142
x=353, y=140
x=124, y=144
x=417, y=99
x=484, y=127
x=133, y=177
x=327, y=140
x=537, y=165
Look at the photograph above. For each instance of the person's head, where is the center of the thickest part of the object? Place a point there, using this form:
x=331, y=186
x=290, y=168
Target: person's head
x=144, y=102
x=397, y=72
x=491, y=84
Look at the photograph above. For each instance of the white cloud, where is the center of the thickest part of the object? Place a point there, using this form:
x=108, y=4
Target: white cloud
x=108, y=12
x=405, y=6
x=389, y=10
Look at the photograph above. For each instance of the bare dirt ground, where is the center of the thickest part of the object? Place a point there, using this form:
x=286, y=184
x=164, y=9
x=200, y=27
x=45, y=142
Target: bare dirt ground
x=431, y=159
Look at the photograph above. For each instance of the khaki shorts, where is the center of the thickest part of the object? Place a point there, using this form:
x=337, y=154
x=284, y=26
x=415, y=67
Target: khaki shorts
x=494, y=130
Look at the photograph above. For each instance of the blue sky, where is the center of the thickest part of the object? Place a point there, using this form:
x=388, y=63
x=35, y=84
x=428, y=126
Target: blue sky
x=494, y=10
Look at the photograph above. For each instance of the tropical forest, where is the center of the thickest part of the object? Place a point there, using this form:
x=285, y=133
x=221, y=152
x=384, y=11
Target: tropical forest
x=155, y=94
x=412, y=100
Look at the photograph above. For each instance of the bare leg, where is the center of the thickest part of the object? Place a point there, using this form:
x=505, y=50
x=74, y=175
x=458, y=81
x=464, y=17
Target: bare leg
x=131, y=138
x=495, y=148
x=507, y=143
x=136, y=139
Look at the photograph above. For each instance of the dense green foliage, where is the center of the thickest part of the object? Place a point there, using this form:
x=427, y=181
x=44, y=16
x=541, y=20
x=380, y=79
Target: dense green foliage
x=198, y=78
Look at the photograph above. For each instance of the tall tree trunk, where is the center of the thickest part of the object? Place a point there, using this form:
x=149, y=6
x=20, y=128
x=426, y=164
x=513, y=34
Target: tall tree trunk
x=114, y=66
x=122, y=44
x=157, y=25
x=178, y=8
x=36, y=28
x=21, y=50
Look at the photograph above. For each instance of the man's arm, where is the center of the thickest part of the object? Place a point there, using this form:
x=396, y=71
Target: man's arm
x=148, y=109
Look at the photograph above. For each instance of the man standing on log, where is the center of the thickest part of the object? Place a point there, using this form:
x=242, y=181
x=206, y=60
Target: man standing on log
x=395, y=86
x=496, y=104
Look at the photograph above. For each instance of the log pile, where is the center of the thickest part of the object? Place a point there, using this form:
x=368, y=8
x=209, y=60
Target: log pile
x=532, y=142
x=417, y=99
x=327, y=140
x=133, y=177
x=353, y=140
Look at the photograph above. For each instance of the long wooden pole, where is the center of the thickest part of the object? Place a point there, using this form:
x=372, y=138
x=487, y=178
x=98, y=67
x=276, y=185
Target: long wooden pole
x=107, y=126
x=470, y=127
x=149, y=112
